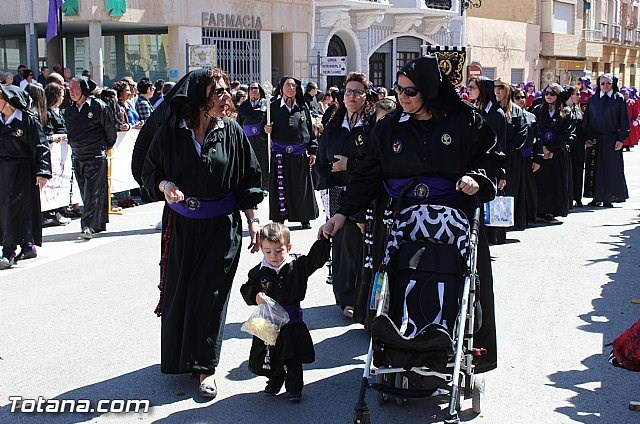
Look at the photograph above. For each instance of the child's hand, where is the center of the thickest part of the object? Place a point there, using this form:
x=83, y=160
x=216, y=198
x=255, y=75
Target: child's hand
x=261, y=298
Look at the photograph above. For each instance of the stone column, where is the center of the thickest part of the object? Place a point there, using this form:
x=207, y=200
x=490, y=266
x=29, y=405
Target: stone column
x=265, y=57
x=96, y=56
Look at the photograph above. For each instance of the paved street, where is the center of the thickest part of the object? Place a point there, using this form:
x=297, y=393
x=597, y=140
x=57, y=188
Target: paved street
x=78, y=323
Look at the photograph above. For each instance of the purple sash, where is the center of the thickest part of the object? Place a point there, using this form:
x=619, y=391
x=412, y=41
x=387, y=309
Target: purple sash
x=526, y=152
x=424, y=190
x=292, y=149
x=205, y=208
x=295, y=313
x=252, y=130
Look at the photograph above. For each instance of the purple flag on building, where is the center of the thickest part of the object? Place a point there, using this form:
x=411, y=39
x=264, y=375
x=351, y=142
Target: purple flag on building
x=52, y=23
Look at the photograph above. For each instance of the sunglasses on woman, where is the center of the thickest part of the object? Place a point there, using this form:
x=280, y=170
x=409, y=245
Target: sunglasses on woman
x=518, y=97
x=220, y=90
x=550, y=93
x=409, y=91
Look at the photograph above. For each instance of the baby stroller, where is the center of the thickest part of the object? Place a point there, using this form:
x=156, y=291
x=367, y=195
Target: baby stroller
x=425, y=301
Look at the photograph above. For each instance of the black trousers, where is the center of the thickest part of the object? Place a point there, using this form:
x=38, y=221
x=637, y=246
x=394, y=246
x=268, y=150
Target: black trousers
x=290, y=374
x=91, y=175
x=346, y=250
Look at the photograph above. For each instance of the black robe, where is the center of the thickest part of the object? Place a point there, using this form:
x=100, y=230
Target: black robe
x=298, y=198
x=531, y=153
x=338, y=139
x=24, y=155
x=577, y=156
x=248, y=114
x=515, y=172
x=402, y=147
x=607, y=122
x=91, y=132
x=202, y=254
x=287, y=287
x=552, y=179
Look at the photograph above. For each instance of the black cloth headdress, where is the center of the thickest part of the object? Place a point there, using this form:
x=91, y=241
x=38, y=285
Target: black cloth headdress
x=17, y=97
x=299, y=93
x=191, y=87
x=424, y=72
x=87, y=85
x=613, y=79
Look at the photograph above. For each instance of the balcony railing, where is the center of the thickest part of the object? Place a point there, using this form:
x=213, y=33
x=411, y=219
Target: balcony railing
x=439, y=4
x=592, y=35
x=604, y=28
x=628, y=36
x=616, y=32
x=637, y=40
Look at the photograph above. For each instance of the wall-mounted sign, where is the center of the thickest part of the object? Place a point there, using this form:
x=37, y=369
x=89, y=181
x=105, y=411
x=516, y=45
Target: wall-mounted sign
x=201, y=56
x=335, y=66
x=226, y=20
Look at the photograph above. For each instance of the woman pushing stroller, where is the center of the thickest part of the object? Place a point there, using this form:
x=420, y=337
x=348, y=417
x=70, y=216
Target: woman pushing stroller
x=434, y=149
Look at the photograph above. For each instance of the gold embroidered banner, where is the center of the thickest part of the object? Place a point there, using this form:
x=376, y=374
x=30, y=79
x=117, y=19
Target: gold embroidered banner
x=452, y=60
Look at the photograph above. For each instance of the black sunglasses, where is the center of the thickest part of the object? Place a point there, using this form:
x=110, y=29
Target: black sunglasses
x=518, y=97
x=254, y=88
x=220, y=90
x=550, y=93
x=409, y=91
x=606, y=83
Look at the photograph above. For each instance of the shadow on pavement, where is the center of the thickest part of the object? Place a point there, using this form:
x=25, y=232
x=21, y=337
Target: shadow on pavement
x=53, y=238
x=600, y=393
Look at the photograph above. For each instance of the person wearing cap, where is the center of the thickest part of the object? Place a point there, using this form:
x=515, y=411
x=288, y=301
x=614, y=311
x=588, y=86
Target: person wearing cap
x=607, y=125
x=25, y=167
x=293, y=152
x=432, y=143
x=252, y=115
x=557, y=132
x=91, y=131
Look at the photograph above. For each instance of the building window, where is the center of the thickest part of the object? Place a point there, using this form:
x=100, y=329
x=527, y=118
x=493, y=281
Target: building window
x=376, y=69
x=607, y=67
x=238, y=52
x=402, y=58
x=138, y=56
x=517, y=76
x=490, y=73
x=563, y=14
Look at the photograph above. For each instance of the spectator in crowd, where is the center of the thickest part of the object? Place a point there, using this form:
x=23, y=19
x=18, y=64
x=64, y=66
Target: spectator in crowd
x=25, y=167
x=530, y=90
x=381, y=93
x=337, y=97
x=252, y=115
x=86, y=73
x=8, y=78
x=66, y=73
x=607, y=125
x=133, y=91
x=239, y=98
x=310, y=98
x=235, y=86
x=124, y=94
x=58, y=68
x=293, y=152
x=143, y=105
x=44, y=73
x=55, y=78
x=166, y=88
x=157, y=92
x=201, y=245
x=17, y=78
x=384, y=106
x=28, y=78
x=91, y=132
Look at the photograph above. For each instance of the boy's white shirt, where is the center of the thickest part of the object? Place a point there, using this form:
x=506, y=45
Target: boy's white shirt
x=266, y=264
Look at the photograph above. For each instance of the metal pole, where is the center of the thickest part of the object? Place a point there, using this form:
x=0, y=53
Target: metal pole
x=318, y=65
x=60, y=38
x=186, y=58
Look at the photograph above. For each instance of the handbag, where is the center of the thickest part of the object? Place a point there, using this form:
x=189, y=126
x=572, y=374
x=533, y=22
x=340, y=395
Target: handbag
x=499, y=212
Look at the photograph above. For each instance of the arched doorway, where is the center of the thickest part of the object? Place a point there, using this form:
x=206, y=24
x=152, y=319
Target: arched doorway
x=336, y=48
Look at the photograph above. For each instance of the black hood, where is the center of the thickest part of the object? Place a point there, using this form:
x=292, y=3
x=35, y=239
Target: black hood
x=299, y=93
x=191, y=87
x=15, y=96
x=424, y=72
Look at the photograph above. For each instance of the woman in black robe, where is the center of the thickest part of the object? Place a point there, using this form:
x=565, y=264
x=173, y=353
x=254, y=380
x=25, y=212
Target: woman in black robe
x=25, y=167
x=338, y=149
x=557, y=131
x=293, y=152
x=433, y=135
x=531, y=156
x=201, y=163
x=482, y=92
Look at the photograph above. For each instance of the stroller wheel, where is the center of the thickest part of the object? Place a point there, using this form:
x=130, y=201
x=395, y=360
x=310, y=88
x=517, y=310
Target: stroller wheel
x=381, y=396
x=477, y=394
x=402, y=382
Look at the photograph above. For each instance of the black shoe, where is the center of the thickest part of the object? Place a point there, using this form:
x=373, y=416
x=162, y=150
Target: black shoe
x=273, y=387
x=306, y=225
x=295, y=396
x=593, y=203
x=607, y=205
x=579, y=204
x=30, y=253
x=6, y=263
x=50, y=222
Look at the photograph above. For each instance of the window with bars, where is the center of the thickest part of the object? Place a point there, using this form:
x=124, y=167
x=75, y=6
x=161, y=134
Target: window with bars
x=376, y=69
x=489, y=73
x=402, y=58
x=517, y=76
x=238, y=52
